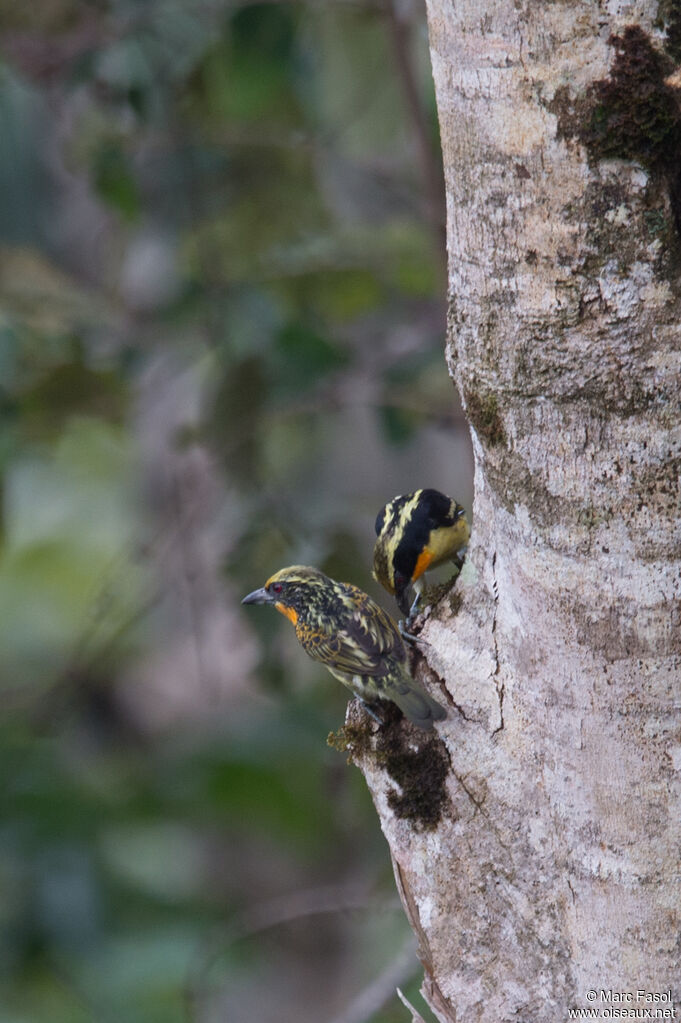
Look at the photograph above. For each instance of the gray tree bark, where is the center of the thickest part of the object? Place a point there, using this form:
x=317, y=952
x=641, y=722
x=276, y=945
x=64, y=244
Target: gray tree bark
x=547, y=863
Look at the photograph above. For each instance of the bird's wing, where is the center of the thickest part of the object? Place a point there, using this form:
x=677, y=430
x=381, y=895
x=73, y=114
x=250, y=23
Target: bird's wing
x=359, y=642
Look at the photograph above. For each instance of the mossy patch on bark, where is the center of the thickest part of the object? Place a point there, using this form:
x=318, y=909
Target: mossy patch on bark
x=415, y=760
x=432, y=595
x=419, y=769
x=355, y=740
x=482, y=408
x=634, y=114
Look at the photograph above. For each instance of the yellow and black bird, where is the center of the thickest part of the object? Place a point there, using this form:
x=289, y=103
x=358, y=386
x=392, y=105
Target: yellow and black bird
x=341, y=626
x=416, y=532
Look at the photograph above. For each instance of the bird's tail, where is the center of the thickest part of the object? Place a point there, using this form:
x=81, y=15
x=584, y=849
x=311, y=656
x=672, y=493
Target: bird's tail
x=415, y=703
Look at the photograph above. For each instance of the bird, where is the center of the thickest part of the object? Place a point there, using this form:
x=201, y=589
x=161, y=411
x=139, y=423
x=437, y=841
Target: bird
x=416, y=532
x=341, y=626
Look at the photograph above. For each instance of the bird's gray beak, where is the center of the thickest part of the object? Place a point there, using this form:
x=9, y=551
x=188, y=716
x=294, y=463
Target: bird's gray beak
x=260, y=596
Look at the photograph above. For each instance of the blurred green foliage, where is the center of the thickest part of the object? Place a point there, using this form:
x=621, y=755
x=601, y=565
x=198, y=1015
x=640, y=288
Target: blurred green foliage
x=221, y=332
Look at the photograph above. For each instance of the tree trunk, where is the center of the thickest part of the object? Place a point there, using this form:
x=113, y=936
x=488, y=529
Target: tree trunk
x=546, y=865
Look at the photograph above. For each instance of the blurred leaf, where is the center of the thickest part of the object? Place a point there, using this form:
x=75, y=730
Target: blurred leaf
x=413, y=267
x=270, y=205
x=114, y=181
x=248, y=75
x=44, y=997
x=302, y=358
x=42, y=802
x=135, y=852
x=399, y=425
x=69, y=390
x=264, y=32
x=139, y=974
x=334, y=295
x=283, y=797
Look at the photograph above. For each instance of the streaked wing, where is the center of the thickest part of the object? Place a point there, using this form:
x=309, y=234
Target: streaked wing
x=377, y=630
x=359, y=647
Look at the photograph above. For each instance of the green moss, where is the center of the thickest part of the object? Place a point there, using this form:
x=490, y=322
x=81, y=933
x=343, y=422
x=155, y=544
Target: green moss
x=482, y=408
x=434, y=594
x=355, y=740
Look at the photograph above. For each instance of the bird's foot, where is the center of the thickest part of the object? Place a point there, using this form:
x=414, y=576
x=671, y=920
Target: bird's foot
x=404, y=627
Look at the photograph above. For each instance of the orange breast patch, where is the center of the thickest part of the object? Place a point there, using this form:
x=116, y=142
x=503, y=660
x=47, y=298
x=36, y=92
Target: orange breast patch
x=424, y=560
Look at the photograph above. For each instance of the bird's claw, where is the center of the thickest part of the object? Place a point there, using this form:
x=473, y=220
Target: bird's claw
x=410, y=636
x=404, y=632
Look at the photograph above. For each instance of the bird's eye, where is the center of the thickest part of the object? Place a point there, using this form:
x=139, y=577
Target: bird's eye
x=276, y=587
